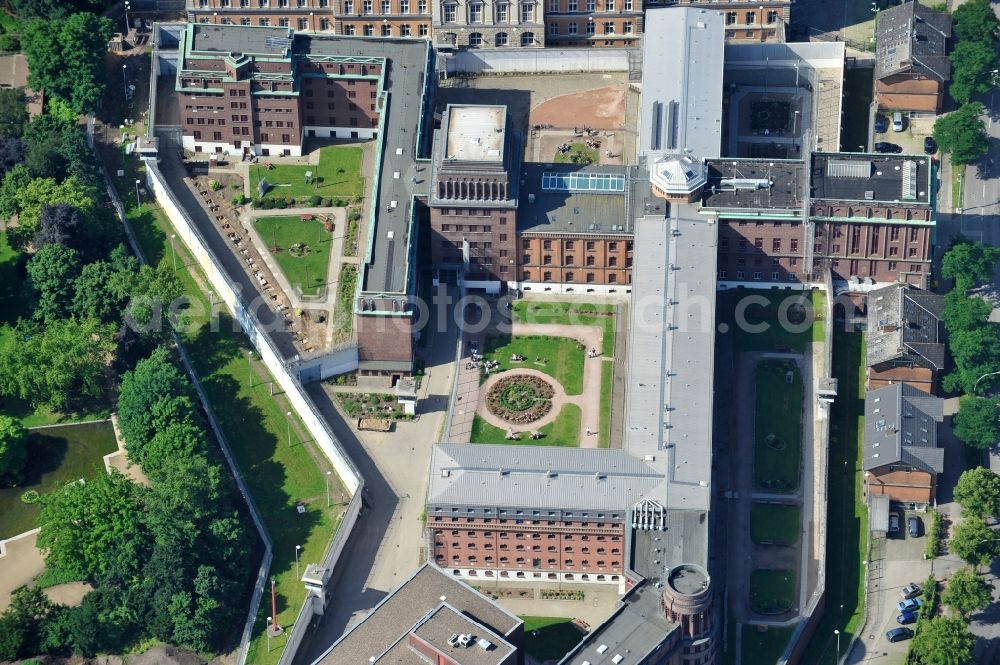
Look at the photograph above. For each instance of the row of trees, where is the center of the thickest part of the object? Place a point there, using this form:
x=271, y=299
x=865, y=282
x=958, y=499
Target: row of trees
x=973, y=63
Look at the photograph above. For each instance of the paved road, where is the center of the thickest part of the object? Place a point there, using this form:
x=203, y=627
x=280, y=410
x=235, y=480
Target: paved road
x=982, y=180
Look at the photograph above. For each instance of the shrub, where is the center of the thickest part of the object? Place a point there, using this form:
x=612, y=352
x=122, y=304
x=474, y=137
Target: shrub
x=325, y=202
x=314, y=200
x=339, y=203
x=30, y=497
x=289, y=202
x=933, y=547
x=280, y=204
x=10, y=43
x=354, y=216
x=266, y=204
x=239, y=199
x=214, y=185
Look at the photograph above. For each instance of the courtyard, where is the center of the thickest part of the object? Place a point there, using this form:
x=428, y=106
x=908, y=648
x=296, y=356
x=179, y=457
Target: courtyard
x=301, y=247
x=778, y=426
x=774, y=524
x=772, y=591
x=337, y=174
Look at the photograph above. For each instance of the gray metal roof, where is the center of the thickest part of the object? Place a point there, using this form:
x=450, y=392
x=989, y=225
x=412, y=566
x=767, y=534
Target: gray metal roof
x=913, y=38
x=901, y=428
x=681, y=108
x=760, y=184
x=239, y=39
x=672, y=352
x=515, y=476
x=405, y=609
x=875, y=178
x=592, y=212
x=904, y=324
x=878, y=512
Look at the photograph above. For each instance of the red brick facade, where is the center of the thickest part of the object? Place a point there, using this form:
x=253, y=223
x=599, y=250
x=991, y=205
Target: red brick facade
x=490, y=236
x=583, y=260
x=616, y=23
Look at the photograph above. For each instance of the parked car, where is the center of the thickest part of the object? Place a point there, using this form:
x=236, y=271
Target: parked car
x=880, y=124
x=930, y=145
x=893, y=522
x=906, y=617
x=914, y=526
x=897, y=122
x=909, y=604
x=910, y=590
x=899, y=634
x=883, y=146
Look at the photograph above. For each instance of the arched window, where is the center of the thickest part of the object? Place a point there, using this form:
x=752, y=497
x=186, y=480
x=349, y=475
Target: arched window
x=476, y=39
x=501, y=39
x=527, y=39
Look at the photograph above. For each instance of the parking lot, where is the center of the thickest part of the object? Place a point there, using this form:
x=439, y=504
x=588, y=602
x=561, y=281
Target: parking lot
x=911, y=139
x=895, y=562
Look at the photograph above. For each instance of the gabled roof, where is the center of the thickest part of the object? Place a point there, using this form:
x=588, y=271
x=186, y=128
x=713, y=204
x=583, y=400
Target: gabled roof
x=901, y=428
x=904, y=324
x=913, y=38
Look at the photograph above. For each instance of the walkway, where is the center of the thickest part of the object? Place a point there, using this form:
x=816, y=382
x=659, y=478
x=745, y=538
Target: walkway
x=559, y=399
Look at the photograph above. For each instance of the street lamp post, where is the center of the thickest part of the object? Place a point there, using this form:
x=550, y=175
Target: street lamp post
x=837, y=633
x=328, y=488
x=268, y=631
x=127, y=7
x=250, y=366
x=976, y=384
x=297, y=548
x=124, y=81
x=173, y=252
x=288, y=427
x=796, y=65
x=137, y=201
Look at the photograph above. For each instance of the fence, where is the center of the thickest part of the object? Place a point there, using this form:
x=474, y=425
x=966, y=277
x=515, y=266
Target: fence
x=536, y=61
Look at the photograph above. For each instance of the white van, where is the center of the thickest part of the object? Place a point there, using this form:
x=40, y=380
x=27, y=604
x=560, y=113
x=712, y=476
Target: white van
x=897, y=122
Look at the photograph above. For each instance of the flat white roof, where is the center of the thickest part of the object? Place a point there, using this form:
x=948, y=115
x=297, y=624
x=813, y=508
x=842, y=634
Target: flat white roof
x=475, y=133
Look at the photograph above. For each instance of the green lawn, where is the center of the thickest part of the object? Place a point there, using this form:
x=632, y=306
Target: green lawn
x=578, y=153
x=607, y=383
x=563, y=431
x=764, y=647
x=306, y=269
x=774, y=523
x=572, y=313
x=776, y=336
x=55, y=455
x=777, y=426
x=560, y=357
x=279, y=477
x=343, y=321
x=338, y=174
x=772, y=591
x=549, y=638
x=847, y=515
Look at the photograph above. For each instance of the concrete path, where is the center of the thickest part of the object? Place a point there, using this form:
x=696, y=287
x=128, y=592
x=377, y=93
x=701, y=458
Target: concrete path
x=20, y=563
x=559, y=400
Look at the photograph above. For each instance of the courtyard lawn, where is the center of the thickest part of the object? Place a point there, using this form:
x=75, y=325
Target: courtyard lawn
x=549, y=638
x=847, y=515
x=570, y=313
x=279, y=477
x=301, y=248
x=765, y=645
x=774, y=116
x=56, y=455
x=338, y=174
x=563, y=431
x=559, y=357
x=774, y=523
x=578, y=153
x=772, y=591
x=776, y=337
x=777, y=426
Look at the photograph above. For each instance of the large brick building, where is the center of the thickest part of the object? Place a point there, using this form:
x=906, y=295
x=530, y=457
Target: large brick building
x=614, y=23
x=748, y=22
x=912, y=68
x=905, y=342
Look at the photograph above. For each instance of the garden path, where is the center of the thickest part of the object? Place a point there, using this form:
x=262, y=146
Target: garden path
x=589, y=400
x=559, y=399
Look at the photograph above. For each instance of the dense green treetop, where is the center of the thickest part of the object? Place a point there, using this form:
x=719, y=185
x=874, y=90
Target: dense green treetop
x=978, y=492
x=13, y=112
x=975, y=542
x=972, y=66
x=944, y=641
x=967, y=592
x=974, y=20
x=52, y=272
x=13, y=450
x=963, y=134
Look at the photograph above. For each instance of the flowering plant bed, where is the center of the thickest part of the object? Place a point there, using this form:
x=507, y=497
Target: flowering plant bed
x=520, y=399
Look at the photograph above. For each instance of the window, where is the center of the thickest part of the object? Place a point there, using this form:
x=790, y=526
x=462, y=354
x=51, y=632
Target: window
x=794, y=244
x=527, y=16
x=368, y=30
x=449, y=13
x=570, y=260
x=404, y=6
x=740, y=274
x=546, y=276
x=554, y=29
x=553, y=6
x=422, y=30
x=627, y=27
x=628, y=5
x=366, y=7
x=404, y=31
x=570, y=277
x=722, y=274
x=421, y=6
x=775, y=276
x=613, y=261
x=591, y=28
x=476, y=13
x=609, y=5
x=590, y=260
x=730, y=18
x=283, y=22
x=476, y=39
x=502, y=13
x=772, y=16
x=501, y=39
x=751, y=18
x=590, y=278
x=609, y=27
x=612, y=278
x=591, y=5
x=527, y=39
x=776, y=245
x=324, y=24
x=303, y=23
x=386, y=30
x=385, y=7
x=264, y=22
x=547, y=260
x=572, y=28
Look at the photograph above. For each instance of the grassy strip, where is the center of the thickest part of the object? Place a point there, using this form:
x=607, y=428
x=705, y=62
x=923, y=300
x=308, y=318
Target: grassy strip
x=337, y=174
x=778, y=426
x=559, y=357
x=607, y=383
x=280, y=476
x=563, y=431
x=570, y=313
x=933, y=546
x=847, y=515
x=351, y=238
x=775, y=336
x=343, y=318
x=308, y=271
x=957, y=187
x=549, y=638
x=763, y=646
x=772, y=590
x=819, y=313
x=774, y=524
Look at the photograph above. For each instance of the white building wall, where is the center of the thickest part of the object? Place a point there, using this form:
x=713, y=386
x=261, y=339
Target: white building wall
x=340, y=132
x=573, y=288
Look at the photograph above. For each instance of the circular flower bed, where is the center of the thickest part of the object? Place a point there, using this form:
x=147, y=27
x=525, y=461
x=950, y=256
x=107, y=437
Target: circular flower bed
x=299, y=249
x=520, y=399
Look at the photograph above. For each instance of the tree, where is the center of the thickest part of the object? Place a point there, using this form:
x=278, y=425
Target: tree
x=972, y=66
x=974, y=21
x=13, y=450
x=35, y=195
x=975, y=542
x=962, y=313
x=977, y=422
x=944, y=641
x=52, y=272
x=92, y=297
x=86, y=528
x=59, y=365
x=963, y=134
x=54, y=9
x=152, y=291
x=13, y=112
x=43, y=158
x=976, y=352
x=978, y=492
x=11, y=153
x=12, y=637
x=969, y=264
x=14, y=180
x=56, y=224
x=154, y=379
x=66, y=57
x=967, y=592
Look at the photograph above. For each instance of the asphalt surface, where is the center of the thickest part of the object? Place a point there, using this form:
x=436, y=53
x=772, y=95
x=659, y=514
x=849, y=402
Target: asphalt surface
x=982, y=181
